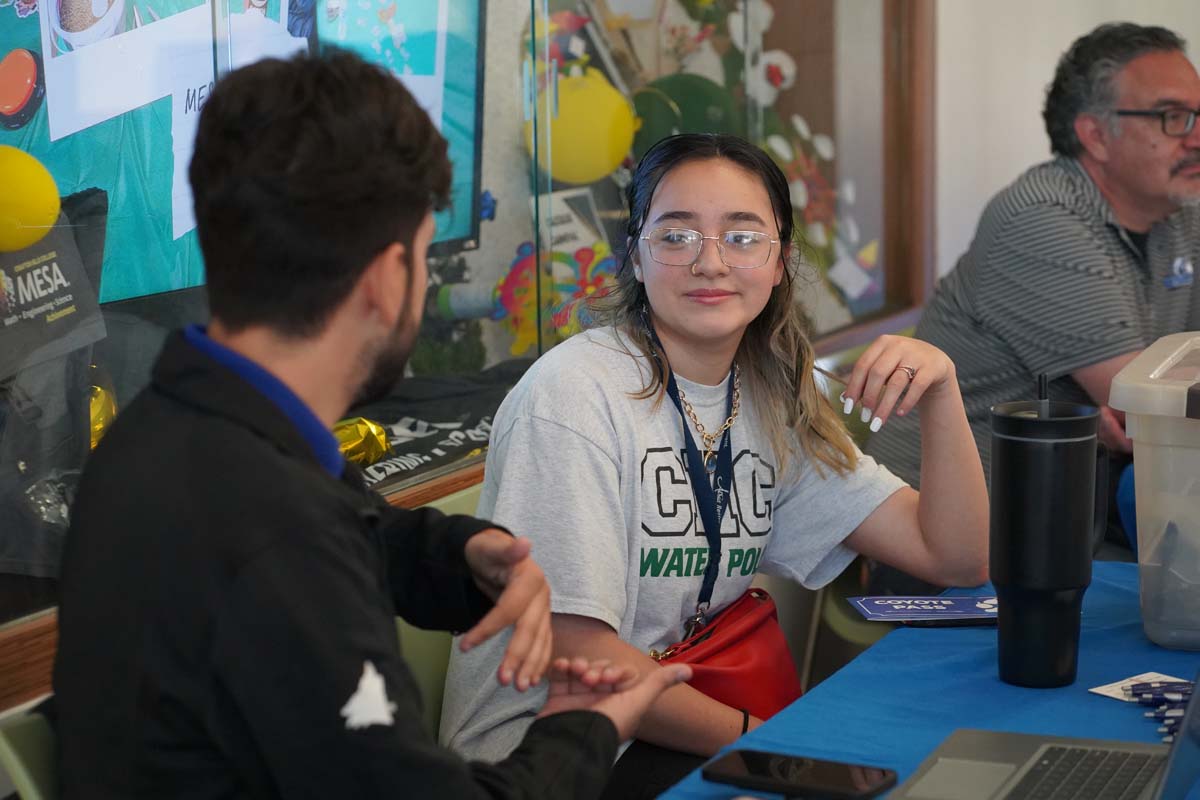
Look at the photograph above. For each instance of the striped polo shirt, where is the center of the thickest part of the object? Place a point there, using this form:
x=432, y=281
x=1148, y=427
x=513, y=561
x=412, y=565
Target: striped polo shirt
x=1051, y=283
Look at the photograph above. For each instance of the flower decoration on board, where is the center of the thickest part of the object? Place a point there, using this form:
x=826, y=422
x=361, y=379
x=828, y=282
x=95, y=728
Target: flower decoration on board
x=691, y=40
x=770, y=73
x=748, y=21
x=684, y=41
x=813, y=197
x=825, y=213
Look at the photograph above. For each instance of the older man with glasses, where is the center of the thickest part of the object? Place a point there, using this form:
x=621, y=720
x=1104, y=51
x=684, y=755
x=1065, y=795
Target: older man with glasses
x=1085, y=259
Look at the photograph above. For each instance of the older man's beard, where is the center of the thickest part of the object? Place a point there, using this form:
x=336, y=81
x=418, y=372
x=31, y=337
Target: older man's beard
x=1188, y=199
x=387, y=364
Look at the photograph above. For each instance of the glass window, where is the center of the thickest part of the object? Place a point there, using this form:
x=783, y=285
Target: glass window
x=546, y=104
x=98, y=107
x=98, y=258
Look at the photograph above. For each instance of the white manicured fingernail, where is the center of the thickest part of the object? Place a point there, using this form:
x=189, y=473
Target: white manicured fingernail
x=849, y=405
x=866, y=414
x=876, y=424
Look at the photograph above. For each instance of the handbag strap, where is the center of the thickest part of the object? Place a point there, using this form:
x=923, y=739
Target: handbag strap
x=711, y=490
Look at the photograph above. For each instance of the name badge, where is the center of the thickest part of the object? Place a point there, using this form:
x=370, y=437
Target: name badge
x=1182, y=274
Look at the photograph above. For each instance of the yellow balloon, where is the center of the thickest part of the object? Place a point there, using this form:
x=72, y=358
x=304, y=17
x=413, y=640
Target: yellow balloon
x=592, y=132
x=29, y=201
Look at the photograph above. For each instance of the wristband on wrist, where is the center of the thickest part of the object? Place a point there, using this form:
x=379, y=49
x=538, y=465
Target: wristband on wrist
x=745, y=720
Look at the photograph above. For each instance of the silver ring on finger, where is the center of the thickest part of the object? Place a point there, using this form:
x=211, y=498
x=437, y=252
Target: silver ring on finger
x=911, y=372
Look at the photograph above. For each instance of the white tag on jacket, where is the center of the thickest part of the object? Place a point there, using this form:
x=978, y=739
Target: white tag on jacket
x=369, y=705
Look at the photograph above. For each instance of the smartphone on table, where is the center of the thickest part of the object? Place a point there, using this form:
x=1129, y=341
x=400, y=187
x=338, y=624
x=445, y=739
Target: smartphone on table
x=798, y=776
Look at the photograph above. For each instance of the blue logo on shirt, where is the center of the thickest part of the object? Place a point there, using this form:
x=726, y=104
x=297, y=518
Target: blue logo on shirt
x=1181, y=274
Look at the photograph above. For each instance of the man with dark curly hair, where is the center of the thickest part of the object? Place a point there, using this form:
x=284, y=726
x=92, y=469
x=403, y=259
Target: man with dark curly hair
x=1085, y=259
x=229, y=585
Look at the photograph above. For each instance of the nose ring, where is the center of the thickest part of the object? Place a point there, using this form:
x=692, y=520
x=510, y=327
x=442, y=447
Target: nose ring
x=694, y=275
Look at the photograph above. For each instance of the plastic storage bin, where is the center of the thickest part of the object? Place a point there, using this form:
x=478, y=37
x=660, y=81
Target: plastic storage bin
x=1160, y=393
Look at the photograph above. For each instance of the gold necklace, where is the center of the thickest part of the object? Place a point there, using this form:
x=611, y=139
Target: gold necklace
x=709, y=440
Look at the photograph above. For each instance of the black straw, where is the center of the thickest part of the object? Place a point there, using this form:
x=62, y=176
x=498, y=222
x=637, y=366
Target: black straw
x=1043, y=395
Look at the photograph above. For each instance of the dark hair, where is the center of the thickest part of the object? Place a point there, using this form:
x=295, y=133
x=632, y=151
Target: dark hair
x=304, y=170
x=666, y=154
x=775, y=356
x=1083, y=80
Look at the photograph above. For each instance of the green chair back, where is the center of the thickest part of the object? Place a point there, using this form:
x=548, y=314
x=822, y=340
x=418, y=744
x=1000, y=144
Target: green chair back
x=427, y=653
x=842, y=619
x=29, y=754
x=464, y=501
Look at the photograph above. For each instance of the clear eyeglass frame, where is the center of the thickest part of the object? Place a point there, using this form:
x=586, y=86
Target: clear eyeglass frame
x=696, y=245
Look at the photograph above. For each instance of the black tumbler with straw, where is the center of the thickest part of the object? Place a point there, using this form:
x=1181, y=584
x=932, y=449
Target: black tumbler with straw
x=1043, y=483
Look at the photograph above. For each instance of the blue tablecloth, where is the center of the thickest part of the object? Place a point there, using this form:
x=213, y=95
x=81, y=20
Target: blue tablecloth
x=897, y=701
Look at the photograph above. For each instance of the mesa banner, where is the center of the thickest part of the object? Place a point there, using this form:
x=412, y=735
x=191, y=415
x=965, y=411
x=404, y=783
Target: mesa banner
x=47, y=304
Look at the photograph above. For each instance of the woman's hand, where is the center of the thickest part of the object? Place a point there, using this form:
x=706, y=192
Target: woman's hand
x=1112, y=431
x=939, y=534
x=618, y=692
x=894, y=367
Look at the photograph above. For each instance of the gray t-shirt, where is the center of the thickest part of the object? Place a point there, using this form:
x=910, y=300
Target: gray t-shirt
x=1051, y=283
x=597, y=480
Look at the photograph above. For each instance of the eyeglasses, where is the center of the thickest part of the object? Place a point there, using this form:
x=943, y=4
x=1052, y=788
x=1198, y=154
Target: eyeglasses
x=680, y=247
x=1177, y=122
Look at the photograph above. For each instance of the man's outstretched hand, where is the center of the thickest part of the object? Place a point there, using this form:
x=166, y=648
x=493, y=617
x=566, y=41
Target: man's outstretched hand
x=505, y=573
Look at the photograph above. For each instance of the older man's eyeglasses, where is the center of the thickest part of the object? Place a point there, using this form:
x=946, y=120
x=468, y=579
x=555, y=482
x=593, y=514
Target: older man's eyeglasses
x=1176, y=122
x=680, y=247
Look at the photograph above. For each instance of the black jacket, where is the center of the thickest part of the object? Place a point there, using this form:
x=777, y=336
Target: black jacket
x=224, y=600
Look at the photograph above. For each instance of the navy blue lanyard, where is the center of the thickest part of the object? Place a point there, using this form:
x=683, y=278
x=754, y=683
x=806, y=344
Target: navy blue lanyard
x=711, y=491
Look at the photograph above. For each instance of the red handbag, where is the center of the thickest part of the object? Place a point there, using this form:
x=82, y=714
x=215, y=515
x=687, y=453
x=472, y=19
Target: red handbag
x=740, y=657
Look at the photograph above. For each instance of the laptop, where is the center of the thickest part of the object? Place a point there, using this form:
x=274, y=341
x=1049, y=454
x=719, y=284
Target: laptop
x=994, y=765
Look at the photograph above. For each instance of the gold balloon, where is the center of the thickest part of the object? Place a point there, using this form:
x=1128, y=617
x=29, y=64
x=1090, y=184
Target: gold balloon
x=103, y=407
x=29, y=201
x=361, y=441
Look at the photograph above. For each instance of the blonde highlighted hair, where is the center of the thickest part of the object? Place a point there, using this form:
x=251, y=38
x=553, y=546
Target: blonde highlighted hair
x=775, y=357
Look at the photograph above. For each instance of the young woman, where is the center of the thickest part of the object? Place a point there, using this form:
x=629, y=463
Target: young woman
x=589, y=459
